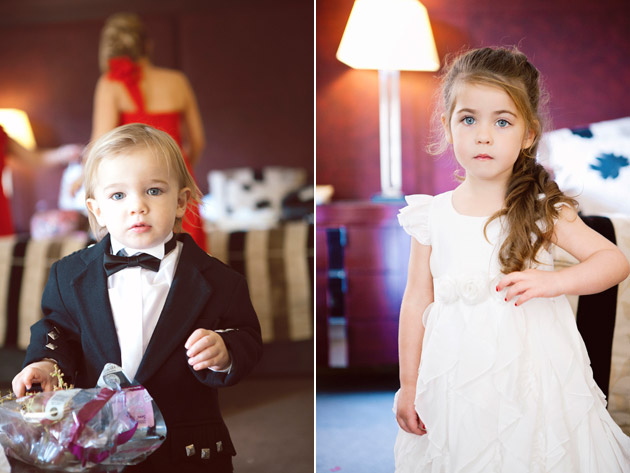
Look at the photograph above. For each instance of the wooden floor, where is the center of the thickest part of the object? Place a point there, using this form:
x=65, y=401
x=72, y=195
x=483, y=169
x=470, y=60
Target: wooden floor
x=271, y=423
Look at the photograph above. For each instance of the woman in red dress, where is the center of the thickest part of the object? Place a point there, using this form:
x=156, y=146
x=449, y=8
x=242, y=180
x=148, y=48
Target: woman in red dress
x=11, y=150
x=133, y=90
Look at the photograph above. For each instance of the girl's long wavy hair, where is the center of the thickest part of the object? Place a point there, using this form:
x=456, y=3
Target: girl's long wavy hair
x=532, y=198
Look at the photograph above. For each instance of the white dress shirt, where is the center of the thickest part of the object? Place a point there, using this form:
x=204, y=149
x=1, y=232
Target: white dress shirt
x=137, y=297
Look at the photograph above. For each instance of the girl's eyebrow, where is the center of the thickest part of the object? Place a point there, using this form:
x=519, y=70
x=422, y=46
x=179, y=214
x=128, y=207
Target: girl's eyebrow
x=497, y=112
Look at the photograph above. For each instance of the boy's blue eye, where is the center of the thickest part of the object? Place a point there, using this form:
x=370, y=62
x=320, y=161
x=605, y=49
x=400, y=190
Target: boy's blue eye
x=502, y=123
x=154, y=191
x=117, y=196
x=469, y=120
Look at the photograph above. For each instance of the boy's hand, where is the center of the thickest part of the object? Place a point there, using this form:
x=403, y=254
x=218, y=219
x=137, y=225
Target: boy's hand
x=38, y=372
x=206, y=349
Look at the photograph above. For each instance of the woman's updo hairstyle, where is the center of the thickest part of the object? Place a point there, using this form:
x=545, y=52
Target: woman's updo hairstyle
x=124, y=34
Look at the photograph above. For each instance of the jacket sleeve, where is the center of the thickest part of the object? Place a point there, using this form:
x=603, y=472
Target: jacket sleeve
x=56, y=336
x=240, y=331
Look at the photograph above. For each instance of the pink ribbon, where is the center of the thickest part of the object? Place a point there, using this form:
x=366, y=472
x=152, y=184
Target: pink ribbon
x=85, y=414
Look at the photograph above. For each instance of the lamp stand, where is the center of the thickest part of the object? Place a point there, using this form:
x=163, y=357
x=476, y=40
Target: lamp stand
x=389, y=118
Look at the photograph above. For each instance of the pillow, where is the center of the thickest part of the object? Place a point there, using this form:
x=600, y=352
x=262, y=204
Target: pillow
x=68, y=201
x=592, y=165
x=246, y=198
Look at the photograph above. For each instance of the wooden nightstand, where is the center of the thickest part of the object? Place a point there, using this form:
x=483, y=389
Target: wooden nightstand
x=361, y=271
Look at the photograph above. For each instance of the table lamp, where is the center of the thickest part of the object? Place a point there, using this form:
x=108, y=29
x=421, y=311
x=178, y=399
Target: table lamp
x=16, y=124
x=389, y=36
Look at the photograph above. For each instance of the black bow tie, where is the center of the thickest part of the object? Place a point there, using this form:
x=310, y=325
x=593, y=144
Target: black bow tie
x=117, y=262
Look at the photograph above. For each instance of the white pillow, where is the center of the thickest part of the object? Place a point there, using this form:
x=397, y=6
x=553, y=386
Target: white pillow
x=242, y=199
x=592, y=165
x=67, y=201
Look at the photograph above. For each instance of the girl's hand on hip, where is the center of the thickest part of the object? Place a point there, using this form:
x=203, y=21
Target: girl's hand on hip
x=206, y=349
x=406, y=414
x=525, y=285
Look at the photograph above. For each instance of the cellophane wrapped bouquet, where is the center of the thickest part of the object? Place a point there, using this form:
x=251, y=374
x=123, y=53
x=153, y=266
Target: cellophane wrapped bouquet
x=112, y=425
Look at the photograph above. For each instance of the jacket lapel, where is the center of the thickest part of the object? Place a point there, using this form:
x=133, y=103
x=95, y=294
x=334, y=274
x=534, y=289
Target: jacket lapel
x=188, y=295
x=91, y=293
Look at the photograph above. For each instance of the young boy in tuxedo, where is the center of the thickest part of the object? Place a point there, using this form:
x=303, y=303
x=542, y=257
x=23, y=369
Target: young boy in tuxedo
x=177, y=320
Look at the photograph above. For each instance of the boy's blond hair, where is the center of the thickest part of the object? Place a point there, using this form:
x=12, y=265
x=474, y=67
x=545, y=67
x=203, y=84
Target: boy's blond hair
x=126, y=139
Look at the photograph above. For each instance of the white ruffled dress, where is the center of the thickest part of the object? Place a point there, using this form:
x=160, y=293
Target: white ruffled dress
x=500, y=388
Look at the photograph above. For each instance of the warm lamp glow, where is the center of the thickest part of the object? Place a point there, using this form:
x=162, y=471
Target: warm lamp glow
x=16, y=124
x=392, y=35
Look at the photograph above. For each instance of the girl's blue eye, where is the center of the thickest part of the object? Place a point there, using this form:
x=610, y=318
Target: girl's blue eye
x=502, y=123
x=117, y=196
x=154, y=191
x=468, y=120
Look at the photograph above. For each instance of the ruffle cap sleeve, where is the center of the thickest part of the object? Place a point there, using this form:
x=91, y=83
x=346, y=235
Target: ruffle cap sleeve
x=414, y=218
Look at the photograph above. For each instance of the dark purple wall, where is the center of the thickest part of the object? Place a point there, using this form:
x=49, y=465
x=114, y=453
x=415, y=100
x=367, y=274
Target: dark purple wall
x=581, y=47
x=250, y=63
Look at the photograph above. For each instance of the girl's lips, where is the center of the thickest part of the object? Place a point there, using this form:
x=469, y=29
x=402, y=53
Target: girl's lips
x=483, y=156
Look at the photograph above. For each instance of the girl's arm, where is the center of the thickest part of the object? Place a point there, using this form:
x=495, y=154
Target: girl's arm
x=194, y=132
x=602, y=264
x=418, y=295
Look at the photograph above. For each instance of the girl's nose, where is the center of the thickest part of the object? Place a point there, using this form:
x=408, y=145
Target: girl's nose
x=483, y=136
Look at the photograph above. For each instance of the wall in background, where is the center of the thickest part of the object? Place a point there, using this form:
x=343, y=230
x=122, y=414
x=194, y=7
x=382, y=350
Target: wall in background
x=581, y=48
x=250, y=63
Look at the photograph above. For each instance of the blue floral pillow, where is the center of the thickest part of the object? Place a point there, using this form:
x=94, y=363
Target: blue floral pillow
x=592, y=164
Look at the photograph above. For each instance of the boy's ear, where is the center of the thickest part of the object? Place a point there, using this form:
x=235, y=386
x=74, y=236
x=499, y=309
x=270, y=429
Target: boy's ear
x=182, y=201
x=92, y=205
x=447, y=129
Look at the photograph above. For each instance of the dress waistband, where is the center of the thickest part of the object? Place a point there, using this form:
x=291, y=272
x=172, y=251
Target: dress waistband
x=472, y=288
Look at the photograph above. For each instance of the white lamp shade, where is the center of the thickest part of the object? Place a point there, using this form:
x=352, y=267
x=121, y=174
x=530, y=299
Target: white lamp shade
x=389, y=35
x=16, y=124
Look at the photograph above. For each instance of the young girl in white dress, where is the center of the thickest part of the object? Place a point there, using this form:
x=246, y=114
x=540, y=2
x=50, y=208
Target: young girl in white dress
x=494, y=374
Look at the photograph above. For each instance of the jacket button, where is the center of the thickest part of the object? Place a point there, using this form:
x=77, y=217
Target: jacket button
x=190, y=450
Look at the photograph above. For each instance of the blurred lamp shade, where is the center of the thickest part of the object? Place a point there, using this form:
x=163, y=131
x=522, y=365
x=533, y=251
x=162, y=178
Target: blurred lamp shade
x=16, y=124
x=389, y=36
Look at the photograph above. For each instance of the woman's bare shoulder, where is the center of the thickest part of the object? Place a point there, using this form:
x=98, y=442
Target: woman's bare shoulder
x=166, y=74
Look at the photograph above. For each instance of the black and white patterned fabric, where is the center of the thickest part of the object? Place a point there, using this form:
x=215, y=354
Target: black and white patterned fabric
x=592, y=164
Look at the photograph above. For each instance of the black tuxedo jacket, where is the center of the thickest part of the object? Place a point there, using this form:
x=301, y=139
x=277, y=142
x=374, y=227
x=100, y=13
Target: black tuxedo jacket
x=205, y=294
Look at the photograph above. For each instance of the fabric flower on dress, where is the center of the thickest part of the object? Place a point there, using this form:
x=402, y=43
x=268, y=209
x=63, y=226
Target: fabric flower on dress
x=123, y=69
x=470, y=288
x=473, y=288
x=445, y=290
